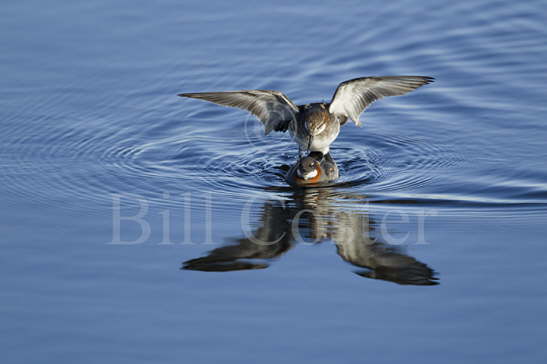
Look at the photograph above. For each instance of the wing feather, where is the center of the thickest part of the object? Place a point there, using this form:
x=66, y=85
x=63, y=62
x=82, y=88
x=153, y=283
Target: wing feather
x=273, y=108
x=352, y=97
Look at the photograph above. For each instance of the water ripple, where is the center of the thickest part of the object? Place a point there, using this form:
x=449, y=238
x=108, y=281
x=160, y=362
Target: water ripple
x=454, y=142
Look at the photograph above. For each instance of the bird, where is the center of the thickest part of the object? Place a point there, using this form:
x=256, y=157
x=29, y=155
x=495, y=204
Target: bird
x=313, y=169
x=314, y=126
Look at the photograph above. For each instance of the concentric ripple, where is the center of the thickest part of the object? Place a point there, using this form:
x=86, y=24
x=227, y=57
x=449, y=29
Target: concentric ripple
x=64, y=161
x=70, y=162
x=409, y=163
x=125, y=131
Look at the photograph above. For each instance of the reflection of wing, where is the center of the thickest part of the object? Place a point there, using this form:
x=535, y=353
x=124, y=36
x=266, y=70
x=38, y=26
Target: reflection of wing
x=273, y=108
x=355, y=246
x=270, y=240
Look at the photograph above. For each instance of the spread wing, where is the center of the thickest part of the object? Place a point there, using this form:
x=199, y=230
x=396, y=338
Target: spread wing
x=273, y=108
x=353, y=96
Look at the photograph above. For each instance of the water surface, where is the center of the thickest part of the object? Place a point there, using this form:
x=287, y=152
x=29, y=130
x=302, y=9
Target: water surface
x=430, y=248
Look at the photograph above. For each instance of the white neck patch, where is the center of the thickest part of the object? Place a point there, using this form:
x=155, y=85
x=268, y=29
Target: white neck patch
x=307, y=175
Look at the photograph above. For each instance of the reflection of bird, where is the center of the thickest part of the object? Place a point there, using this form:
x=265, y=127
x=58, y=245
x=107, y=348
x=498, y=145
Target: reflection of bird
x=315, y=126
x=313, y=169
x=317, y=214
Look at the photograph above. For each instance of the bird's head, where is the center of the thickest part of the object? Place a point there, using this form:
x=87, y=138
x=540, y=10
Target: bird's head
x=316, y=117
x=309, y=169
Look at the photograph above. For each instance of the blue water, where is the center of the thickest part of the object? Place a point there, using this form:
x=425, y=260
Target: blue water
x=449, y=182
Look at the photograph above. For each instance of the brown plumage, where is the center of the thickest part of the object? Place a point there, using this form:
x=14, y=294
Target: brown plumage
x=315, y=126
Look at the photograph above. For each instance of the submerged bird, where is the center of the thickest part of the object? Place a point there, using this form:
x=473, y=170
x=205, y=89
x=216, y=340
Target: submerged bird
x=315, y=126
x=313, y=169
